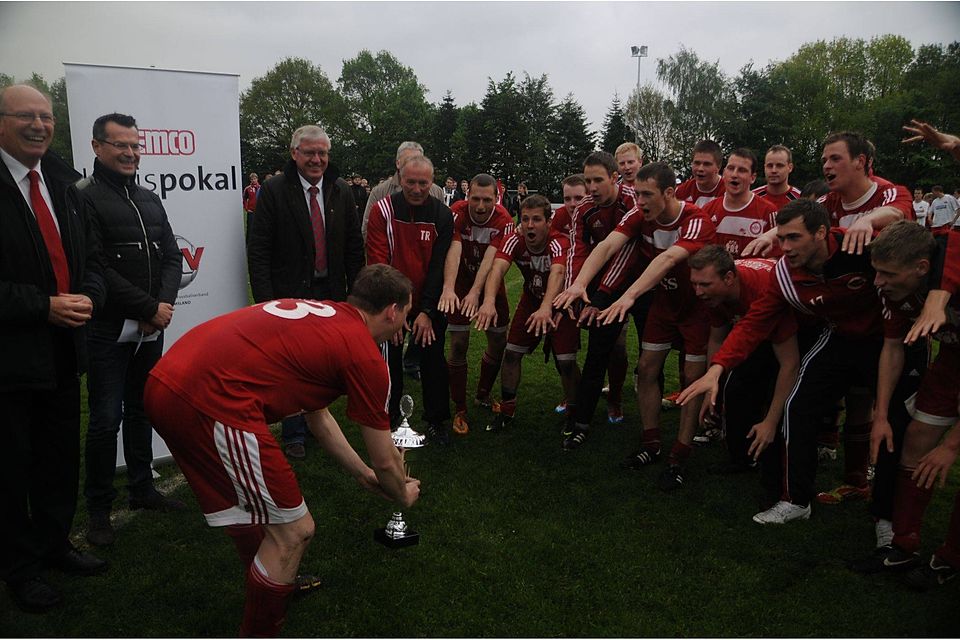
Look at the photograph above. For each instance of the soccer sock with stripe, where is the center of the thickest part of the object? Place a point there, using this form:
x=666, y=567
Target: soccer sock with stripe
x=489, y=368
x=458, y=384
x=616, y=374
x=265, y=608
x=650, y=440
x=856, y=453
x=508, y=405
x=679, y=454
x=909, y=504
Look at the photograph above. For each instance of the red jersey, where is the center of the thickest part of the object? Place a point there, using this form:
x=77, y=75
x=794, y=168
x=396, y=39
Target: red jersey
x=780, y=199
x=882, y=193
x=591, y=224
x=561, y=221
x=415, y=241
x=689, y=192
x=690, y=230
x=475, y=238
x=736, y=228
x=842, y=296
x=250, y=198
x=535, y=267
x=754, y=274
x=259, y=364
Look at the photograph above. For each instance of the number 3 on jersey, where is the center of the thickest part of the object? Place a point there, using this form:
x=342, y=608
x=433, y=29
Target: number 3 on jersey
x=301, y=309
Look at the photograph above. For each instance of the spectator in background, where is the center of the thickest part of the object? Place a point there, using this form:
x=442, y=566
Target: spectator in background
x=943, y=209
x=250, y=197
x=464, y=190
x=359, y=195
x=920, y=207
x=449, y=191
x=514, y=207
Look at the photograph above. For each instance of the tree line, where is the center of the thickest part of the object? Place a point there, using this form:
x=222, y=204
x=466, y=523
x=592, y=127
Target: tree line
x=521, y=131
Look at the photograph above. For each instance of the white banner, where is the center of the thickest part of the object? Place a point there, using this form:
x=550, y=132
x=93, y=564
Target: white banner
x=189, y=124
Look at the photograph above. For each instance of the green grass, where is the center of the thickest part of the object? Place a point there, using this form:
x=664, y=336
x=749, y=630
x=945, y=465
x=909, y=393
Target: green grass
x=519, y=538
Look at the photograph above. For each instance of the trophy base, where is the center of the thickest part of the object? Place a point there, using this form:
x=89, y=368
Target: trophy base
x=408, y=539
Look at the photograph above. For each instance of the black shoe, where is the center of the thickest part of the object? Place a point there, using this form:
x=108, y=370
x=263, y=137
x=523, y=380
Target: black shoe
x=295, y=450
x=305, y=583
x=79, y=563
x=928, y=576
x=413, y=374
x=886, y=559
x=99, y=530
x=499, y=422
x=575, y=440
x=35, y=595
x=438, y=434
x=671, y=478
x=639, y=459
x=156, y=501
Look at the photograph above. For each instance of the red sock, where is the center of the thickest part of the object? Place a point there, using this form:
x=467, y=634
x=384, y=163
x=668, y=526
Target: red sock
x=679, y=454
x=616, y=373
x=856, y=453
x=650, y=439
x=489, y=368
x=265, y=608
x=458, y=385
x=949, y=552
x=909, y=504
x=508, y=407
x=247, y=539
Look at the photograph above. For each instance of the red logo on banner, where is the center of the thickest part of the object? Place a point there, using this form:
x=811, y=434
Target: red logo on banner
x=168, y=142
x=191, y=261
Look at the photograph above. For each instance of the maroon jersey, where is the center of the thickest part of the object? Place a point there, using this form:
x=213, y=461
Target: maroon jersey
x=475, y=238
x=259, y=364
x=882, y=193
x=250, y=198
x=689, y=192
x=561, y=221
x=780, y=199
x=535, y=267
x=592, y=223
x=754, y=274
x=690, y=230
x=736, y=228
x=842, y=297
x=413, y=240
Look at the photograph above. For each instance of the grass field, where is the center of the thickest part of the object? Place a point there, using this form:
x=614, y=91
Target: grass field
x=519, y=538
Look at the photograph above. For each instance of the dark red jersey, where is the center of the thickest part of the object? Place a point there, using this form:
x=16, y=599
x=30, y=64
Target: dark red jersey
x=561, y=221
x=842, y=297
x=475, y=238
x=690, y=230
x=780, y=199
x=736, y=228
x=592, y=223
x=754, y=274
x=415, y=241
x=535, y=267
x=882, y=193
x=250, y=198
x=689, y=192
x=259, y=364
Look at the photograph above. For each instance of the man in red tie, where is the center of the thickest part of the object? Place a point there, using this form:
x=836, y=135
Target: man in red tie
x=304, y=241
x=49, y=289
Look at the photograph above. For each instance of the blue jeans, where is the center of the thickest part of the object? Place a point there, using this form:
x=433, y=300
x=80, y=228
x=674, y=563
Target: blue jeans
x=293, y=430
x=115, y=380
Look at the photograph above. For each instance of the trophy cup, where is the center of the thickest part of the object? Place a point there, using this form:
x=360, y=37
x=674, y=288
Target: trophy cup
x=396, y=534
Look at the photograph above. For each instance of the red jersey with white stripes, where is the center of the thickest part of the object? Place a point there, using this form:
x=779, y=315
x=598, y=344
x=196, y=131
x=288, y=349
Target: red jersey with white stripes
x=842, y=297
x=535, y=266
x=754, y=275
x=415, y=241
x=737, y=227
x=779, y=199
x=882, y=193
x=591, y=223
x=261, y=363
x=689, y=192
x=690, y=230
x=475, y=238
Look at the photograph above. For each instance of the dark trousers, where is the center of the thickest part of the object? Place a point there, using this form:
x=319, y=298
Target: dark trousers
x=293, y=429
x=830, y=365
x=39, y=476
x=434, y=377
x=115, y=380
x=600, y=345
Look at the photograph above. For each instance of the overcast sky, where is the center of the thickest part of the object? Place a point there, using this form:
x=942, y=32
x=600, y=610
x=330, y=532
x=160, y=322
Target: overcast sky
x=584, y=47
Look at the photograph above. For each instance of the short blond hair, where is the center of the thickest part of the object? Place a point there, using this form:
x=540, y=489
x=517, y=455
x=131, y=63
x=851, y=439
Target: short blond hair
x=627, y=147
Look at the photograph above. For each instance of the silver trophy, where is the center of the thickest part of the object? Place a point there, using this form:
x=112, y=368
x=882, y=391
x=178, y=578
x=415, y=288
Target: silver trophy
x=396, y=534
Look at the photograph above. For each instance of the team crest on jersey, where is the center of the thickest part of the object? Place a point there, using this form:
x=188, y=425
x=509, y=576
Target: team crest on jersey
x=756, y=227
x=857, y=282
x=733, y=247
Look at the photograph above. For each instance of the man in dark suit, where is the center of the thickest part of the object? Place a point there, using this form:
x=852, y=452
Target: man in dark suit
x=50, y=286
x=305, y=239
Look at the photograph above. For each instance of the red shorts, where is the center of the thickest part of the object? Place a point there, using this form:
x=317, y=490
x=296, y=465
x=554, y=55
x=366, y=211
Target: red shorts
x=936, y=401
x=564, y=340
x=240, y=476
x=458, y=322
x=667, y=323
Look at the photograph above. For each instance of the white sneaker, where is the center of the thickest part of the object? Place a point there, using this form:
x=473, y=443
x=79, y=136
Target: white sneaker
x=782, y=513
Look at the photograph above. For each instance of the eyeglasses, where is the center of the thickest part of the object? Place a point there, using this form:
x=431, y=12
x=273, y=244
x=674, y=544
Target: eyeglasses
x=27, y=117
x=320, y=153
x=123, y=146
